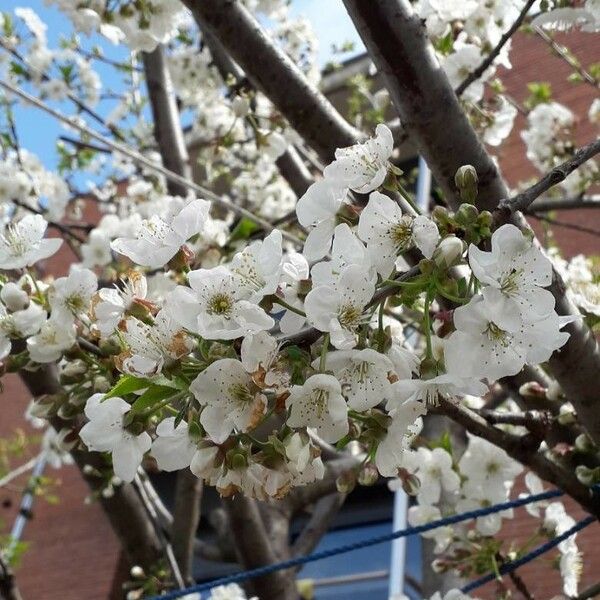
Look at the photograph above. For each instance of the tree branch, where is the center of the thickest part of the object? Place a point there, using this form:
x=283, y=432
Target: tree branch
x=167, y=126
x=426, y=103
x=124, y=508
x=323, y=512
x=275, y=74
x=558, y=174
x=186, y=516
x=254, y=548
x=576, y=203
x=8, y=585
x=489, y=59
x=524, y=449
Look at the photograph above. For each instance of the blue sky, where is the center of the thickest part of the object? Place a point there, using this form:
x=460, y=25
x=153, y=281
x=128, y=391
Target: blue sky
x=38, y=132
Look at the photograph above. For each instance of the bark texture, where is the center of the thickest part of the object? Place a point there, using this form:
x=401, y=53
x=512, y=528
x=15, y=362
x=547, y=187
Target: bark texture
x=167, y=126
x=270, y=70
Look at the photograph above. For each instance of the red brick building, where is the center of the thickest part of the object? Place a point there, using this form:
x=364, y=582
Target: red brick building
x=74, y=554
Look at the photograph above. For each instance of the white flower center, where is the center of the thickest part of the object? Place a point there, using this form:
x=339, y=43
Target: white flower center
x=349, y=316
x=497, y=335
x=220, y=304
x=509, y=284
x=16, y=242
x=401, y=233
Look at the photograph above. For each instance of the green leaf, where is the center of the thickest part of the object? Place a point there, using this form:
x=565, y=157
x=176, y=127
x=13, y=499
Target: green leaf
x=126, y=385
x=152, y=396
x=243, y=230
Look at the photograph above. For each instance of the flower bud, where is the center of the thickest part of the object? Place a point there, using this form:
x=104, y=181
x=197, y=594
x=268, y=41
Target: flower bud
x=101, y=384
x=467, y=214
x=346, y=482
x=448, y=252
x=466, y=181
x=566, y=414
x=533, y=390
x=586, y=475
x=13, y=297
x=381, y=99
x=368, y=475
x=584, y=444
x=240, y=106
x=137, y=572
x=110, y=346
x=108, y=492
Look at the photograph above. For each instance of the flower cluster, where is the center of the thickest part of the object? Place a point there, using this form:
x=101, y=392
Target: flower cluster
x=215, y=375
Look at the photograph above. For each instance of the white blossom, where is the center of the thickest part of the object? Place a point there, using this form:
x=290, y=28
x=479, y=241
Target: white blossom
x=22, y=244
x=229, y=397
x=363, y=375
x=157, y=240
x=319, y=404
x=105, y=433
x=338, y=309
x=388, y=232
x=216, y=306
x=363, y=167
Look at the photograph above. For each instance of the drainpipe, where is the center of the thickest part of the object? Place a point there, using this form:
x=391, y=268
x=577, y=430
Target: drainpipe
x=398, y=553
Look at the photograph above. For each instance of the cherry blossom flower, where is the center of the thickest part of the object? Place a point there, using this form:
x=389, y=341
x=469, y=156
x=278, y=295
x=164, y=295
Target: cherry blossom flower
x=110, y=304
x=316, y=211
x=230, y=399
x=157, y=240
x=515, y=271
x=422, y=514
x=52, y=340
x=435, y=473
x=493, y=344
x=338, y=308
x=487, y=466
x=175, y=449
x=259, y=355
x=71, y=296
x=347, y=250
x=405, y=425
x=388, y=233
x=105, y=433
x=216, y=306
x=95, y=252
x=319, y=404
x=428, y=391
x=19, y=324
x=258, y=267
x=363, y=167
x=22, y=244
x=363, y=375
x=149, y=346
x=295, y=270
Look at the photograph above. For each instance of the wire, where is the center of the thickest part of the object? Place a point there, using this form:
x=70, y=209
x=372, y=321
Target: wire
x=515, y=564
x=301, y=560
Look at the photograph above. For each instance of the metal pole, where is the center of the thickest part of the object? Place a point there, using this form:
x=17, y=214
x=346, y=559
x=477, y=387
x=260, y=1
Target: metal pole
x=398, y=553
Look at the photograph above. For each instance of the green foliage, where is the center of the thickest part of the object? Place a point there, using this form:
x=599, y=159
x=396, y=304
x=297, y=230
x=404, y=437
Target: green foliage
x=539, y=93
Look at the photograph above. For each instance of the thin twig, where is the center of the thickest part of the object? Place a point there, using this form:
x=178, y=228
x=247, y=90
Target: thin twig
x=575, y=203
x=480, y=70
x=573, y=226
x=564, y=53
x=555, y=176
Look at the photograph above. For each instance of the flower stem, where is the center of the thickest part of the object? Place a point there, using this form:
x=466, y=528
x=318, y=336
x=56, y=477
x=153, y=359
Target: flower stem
x=287, y=306
x=427, y=319
x=324, y=349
